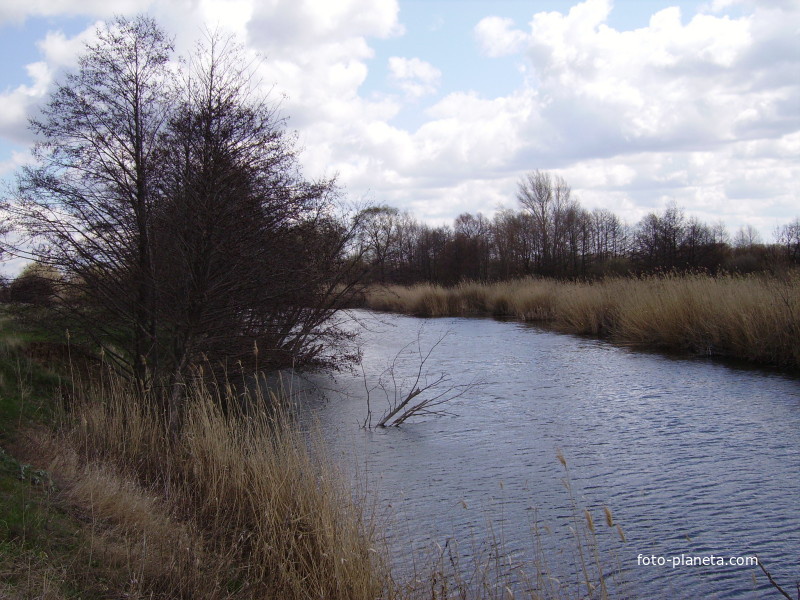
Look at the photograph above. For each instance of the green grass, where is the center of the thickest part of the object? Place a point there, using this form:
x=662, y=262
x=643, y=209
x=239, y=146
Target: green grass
x=39, y=539
x=27, y=388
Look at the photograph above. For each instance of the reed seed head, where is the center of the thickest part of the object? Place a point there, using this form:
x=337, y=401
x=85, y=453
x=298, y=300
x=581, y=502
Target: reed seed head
x=621, y=533
x=609, y=516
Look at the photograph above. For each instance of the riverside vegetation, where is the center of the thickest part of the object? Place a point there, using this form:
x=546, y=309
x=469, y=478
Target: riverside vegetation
x=101, y=498
x=172, y=236
x=754, y=318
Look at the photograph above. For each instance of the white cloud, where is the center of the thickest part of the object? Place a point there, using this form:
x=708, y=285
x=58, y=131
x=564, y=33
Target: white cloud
x=700, y=108
x=61, y=52
x=18, y=159
x=18, y=104
x=415, y=77
x=230, y=15
x=672, y=85
x=284, y=27
x=497, y=37
x=316, y=55
x=19, y=10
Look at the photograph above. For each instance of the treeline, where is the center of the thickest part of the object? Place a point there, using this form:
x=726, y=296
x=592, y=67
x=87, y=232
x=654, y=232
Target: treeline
x=552, y=235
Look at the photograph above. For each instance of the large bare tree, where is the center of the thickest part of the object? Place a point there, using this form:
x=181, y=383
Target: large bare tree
x=86, y=206
x=175, y=208
x=251, y=253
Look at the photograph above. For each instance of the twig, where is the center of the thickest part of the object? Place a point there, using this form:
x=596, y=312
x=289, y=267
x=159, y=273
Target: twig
x=775, y=583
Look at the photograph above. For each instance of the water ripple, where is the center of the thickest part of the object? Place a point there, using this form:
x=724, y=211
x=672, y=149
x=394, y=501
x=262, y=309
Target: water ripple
x=692, y=456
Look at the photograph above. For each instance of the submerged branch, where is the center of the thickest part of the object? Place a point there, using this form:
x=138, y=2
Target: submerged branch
x=421, y=394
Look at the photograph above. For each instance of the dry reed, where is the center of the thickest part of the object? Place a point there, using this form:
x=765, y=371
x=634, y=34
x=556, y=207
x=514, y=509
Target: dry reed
x=238, y=504
x=755, y=318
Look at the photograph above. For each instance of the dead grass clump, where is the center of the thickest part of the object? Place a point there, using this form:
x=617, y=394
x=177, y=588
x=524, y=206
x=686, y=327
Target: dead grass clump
x=29, y=575
x=587, y=309
x=527, y=299
x=237, y=504
x=384, y=298
x=474, y=298
x=747, y=317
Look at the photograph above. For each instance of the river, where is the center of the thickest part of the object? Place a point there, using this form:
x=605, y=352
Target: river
x=695, y=458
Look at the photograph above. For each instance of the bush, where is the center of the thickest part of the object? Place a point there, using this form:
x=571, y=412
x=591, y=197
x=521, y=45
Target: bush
x=36, y=284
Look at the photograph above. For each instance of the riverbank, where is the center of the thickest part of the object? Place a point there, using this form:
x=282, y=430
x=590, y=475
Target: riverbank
x=752, y=318
x=100, y=498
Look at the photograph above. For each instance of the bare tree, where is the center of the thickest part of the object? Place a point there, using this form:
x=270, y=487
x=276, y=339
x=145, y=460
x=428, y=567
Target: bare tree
x=788, y=236
x=470, y=256
x=513, y=246
x=549, y=200
x=379, y=233
x=746, y=237
x=176, y=210
x=86, y=206
x=658, y=239
x=608, y=235
x=429, y=252
x=250, y=253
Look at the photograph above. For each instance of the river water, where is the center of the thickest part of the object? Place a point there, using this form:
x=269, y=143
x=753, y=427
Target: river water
x=694, y=458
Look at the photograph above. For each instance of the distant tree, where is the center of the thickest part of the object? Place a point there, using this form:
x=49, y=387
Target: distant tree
x=430, y=252
x=379, y=234
x=514, y=243
x=609, y=235
x=658, y=239
x=697, y=248
x=577, y=238
x=548, y=199
x=36, y=284
x=406, y=244
x=719, y=234
x=469, y=256
x=788, y=237
x=746, y=237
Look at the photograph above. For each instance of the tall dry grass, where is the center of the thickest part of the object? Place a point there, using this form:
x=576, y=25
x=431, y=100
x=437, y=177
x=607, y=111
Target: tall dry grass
x=237, y=504
x=755, y=318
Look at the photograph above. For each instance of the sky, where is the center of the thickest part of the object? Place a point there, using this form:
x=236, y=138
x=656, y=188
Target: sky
x=438, y=107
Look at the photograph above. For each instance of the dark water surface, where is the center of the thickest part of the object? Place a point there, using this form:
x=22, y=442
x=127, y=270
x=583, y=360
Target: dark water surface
x=693, y=457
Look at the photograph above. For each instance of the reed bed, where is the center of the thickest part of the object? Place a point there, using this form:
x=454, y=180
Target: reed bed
x=754, y=318
x=236, y=504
